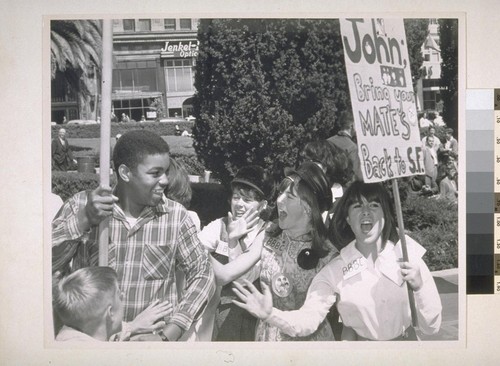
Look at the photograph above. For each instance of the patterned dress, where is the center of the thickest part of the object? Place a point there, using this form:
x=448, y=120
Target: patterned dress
x=289, y=284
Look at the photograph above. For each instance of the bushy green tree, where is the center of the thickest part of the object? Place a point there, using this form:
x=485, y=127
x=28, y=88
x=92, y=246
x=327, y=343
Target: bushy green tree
x=265, y=87
x=448, y=36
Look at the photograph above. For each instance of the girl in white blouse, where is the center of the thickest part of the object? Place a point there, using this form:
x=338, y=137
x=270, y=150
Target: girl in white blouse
x=367, y=281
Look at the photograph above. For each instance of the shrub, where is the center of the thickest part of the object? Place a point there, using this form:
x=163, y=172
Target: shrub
x=433, y=223
x=66, y=184
x=94, y=130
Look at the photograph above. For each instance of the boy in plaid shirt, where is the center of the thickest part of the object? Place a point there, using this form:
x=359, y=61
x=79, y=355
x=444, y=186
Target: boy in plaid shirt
x=150, y=235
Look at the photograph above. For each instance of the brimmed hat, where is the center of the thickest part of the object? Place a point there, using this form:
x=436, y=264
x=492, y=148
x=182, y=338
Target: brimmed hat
x=254, y=177
x=315, y=179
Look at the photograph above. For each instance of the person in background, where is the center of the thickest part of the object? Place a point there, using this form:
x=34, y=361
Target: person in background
x=295, y=250
x=367, y=281
x=179, y=189
x=150, y=235
x=451, y=143
x=447, y=176
x=431, y=134
x=335, y=164
x=344, y=141
x=235, y=243
x=62, y=156
x=89, y=304
x=423, y=121
x=125, y=118
x=430, y=165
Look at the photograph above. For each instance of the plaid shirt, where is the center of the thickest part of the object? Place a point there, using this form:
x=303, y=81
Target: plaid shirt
x=144, y=256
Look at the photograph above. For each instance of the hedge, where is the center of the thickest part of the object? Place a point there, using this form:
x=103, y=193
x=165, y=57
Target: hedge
x=434, y=224
x=94, y=130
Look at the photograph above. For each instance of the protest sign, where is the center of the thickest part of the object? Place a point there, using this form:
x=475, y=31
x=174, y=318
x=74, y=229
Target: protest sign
x=382, y=97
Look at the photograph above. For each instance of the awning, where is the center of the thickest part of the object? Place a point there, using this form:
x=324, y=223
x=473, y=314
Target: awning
x=134, y=94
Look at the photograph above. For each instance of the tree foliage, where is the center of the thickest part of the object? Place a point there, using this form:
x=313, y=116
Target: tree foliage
x=416, y=32
x=266, y=87
x=448, y=36
x=75, y=53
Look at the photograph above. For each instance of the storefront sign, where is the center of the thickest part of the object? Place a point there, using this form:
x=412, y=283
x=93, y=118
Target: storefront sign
x=180, y=49
x=382, y=96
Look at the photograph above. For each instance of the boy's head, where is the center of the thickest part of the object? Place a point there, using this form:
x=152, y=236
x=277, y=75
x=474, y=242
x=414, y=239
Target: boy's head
x=88, y=300
x=250, y=187
x=133, y=146
x=141, y=160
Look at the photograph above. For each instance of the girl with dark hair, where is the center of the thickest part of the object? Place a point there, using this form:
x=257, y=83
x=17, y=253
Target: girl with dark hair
x=295, y=250
x=367, y=281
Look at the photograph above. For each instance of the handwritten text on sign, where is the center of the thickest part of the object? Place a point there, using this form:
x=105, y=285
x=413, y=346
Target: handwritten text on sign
x=382, y=96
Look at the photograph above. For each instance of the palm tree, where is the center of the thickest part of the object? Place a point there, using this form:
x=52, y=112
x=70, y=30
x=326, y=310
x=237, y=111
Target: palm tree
x=76, y=47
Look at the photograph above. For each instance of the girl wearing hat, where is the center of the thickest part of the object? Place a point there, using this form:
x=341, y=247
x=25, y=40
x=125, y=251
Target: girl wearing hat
x=294, y=251
x=367, y=281
x=242, y=231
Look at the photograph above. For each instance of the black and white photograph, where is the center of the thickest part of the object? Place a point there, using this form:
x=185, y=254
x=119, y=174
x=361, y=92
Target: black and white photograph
x=270, y=179
x=241, y=183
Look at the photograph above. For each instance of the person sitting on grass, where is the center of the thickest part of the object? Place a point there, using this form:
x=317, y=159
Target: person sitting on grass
x=89, y=304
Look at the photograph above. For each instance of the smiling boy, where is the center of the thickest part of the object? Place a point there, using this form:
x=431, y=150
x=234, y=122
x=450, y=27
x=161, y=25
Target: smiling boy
x=150, y=235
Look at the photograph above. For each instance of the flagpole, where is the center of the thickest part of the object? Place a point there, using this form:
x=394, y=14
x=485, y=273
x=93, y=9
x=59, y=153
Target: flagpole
x=399, y=216
x=105, y=149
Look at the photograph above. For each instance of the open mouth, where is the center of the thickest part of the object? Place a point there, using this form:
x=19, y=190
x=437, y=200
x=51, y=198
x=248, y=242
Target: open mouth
x=282, y=215
x=366, y=226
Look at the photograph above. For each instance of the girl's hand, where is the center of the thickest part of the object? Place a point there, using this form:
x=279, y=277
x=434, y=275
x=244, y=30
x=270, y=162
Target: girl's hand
x=242, y=226
x=411, y=274
x=145, y=322
x=258, y=304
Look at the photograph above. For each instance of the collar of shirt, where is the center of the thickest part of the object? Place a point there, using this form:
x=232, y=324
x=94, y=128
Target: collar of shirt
x=344, y=133
x=148, y=213
x=388, y=259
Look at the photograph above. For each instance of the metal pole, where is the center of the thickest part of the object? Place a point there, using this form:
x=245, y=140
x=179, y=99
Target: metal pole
x=104, y=160
x=399, y=215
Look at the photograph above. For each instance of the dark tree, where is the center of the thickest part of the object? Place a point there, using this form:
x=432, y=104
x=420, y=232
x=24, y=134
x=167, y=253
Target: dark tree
x=265, y=87
x=416, y=32
x=448, y=36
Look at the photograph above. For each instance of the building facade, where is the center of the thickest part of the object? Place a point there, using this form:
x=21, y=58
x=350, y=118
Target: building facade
x=428, y=87
x=153, y=73
x=153, y=63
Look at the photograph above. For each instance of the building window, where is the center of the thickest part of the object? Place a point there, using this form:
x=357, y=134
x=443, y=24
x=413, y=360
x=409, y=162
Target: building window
x=129, y=25
x=431, y=99
x=144, y=25
x=169, y=24
x=185, y=23
x=136, y=79
x=179, y=75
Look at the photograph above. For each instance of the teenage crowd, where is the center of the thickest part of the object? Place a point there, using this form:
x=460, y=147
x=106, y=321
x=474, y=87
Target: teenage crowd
x=316, y=258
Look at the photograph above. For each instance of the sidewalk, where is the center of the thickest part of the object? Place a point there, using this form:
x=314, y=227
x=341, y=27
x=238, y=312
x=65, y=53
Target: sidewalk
x=447, y=285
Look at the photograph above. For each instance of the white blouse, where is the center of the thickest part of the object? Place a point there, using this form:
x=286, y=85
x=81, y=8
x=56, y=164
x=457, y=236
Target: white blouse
x=371, y=300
